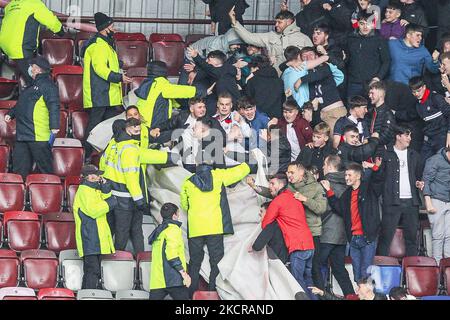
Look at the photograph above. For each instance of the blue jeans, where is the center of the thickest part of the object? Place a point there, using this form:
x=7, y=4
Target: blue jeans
x=301, y=269
x=362, y=253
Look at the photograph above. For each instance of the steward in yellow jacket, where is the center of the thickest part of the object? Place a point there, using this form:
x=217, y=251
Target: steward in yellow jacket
x=19, y=33
x=203, y=196
x=156, y=95
x=92, y=203
x=168, y=273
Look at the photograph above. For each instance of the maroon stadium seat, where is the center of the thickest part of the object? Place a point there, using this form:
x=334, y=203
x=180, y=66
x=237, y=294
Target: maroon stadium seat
x=172, y=53
x=9, y=268
x=7, y=104
x=59, y=230
x=7, y=87
x=12, y=192
x=56, y=294
x=4, y=158
x=70, y=188
x=138, y=75
x=398, y=249
x=45, y=193
x=421, y=276
x=156, y=37
x=22, y=230
x=68, y=157
x=191, y=38
x=444, y=266
x=205, y=295
x=58, y=51
x=69, y=80
x=79, y=124
x=40, y=268
x=385, y=261
x=17, y=293
x=7, y=130
x=80, y=37
x=63, y=124
x=132, y=49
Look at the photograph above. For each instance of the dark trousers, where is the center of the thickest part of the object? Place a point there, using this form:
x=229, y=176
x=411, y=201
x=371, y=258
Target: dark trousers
x=355, y=89
x=97, y=115
x=91, y=269
x=128, y=225
x=22, y=67
x=432, y=145
x=25, y=153
x=316, y=275
x=214, y=243
x=177, y=293
x=408, y=215
x=336, y=255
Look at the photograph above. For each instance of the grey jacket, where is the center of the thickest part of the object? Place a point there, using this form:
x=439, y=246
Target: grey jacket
x=437, y=177
x=333, y=229
x=212, y=43
x=275, y=43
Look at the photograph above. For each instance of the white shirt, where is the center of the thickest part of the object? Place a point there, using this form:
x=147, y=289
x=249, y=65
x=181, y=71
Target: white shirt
x=293, y=141
x=190, y=121
x=405, y=185
x=359, y=125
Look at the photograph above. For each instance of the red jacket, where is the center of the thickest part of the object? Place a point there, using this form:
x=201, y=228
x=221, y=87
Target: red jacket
x=290, y=215
x=301, y=127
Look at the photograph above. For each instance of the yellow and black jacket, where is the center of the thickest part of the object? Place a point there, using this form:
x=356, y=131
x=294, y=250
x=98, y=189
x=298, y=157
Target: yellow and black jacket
x=102, y=82
x=92, y=203
x=203, y=196
x=19, y=34
x=168, y=257
x=37, y=110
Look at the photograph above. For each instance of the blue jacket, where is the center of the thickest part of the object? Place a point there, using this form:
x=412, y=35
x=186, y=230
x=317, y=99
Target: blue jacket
x=258, y=123
x=409, y=62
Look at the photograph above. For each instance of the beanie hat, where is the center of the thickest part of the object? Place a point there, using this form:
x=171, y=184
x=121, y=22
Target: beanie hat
x=157, y=69
x=102, y=21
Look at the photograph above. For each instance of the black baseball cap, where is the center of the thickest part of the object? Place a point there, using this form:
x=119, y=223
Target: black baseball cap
x=90, y=169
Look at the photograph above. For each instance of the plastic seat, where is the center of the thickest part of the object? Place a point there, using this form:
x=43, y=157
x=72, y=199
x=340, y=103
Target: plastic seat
x=435, y=298
x=397, y=248
x=70, y=189
x=156, y=37
x=93, y=294
x=17, y=293
x=444, y=267
x=4, y=158
x=59, y=230
x=191, y=38
x=58, y=51
x=22, y=230
x=56, y=294
x=63, y=124
x=205, y=295
x=118, y=271
x=133, y=53
x=80, y=37
x=45, y=192
x=7, y=130
x=7, y=88
x=79, y=124
x=12, y=192
x=68, y=157
x=137, y=75
x=385, y=261
x=40, y=268
x=7, y=104
x=172, y=53
x=71, y=269
x=421, y=276
x=132, y=295
x=9, y=268
x=336, y=289
x=144, y=260
x=69, y=80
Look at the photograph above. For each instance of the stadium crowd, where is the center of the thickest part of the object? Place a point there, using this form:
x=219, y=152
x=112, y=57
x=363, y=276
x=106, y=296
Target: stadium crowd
x=343, y=100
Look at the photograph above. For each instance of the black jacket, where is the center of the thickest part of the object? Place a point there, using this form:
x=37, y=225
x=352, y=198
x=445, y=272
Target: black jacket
x=339, y=18
x=267, y=89
x=315, y=156
x=272, y=236
x=32, y=123
x=413, y=13
x=336, y=54
x=390, y=171
x=367, y=57
x=219, y=12
x=369, y=191
x=435, y=111
x=383, y=122
x=349, y=153
x=311, y=15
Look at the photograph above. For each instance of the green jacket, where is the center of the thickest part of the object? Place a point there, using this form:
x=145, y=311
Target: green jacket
x=168, y=257
x=19, y=33
x=204, y=198
x=91, y=205
x=102, y=82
